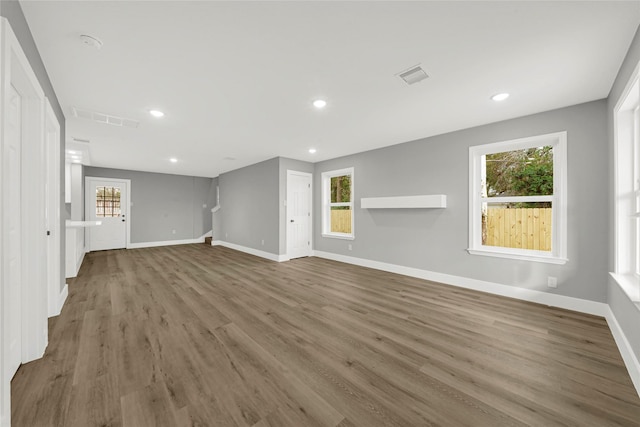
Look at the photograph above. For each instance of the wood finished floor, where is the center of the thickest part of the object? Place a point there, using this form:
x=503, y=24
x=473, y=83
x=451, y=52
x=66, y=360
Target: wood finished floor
x=206, y=336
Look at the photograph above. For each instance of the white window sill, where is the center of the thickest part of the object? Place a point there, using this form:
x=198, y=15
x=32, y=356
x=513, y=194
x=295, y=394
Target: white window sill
x=339, y=236
x=524, y=257
x=630, y=284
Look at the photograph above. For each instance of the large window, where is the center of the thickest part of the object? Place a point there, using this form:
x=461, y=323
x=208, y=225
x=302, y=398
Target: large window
x=627, y=188
x=337, y=204
x=517, y=199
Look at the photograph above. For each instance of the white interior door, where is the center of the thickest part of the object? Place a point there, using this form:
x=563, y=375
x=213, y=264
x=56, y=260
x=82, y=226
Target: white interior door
x=52, y=210
x=107, y=201
x=12, y=249
x=298, y=214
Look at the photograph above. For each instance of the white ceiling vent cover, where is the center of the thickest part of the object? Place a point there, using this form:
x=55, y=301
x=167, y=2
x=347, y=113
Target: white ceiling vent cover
x=413, y=75
x=103, y=118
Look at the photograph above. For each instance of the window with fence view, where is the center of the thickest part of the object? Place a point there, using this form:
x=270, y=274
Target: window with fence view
x=337, y=216
x=517, y=198
x=107, y=202
x=341, y=204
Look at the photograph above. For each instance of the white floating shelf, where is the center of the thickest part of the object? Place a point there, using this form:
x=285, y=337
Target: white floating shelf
x=405, y=202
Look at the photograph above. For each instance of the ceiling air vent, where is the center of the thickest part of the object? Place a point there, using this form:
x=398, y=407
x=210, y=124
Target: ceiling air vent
x=103, y=118
x=413, y=75
x=80, y=140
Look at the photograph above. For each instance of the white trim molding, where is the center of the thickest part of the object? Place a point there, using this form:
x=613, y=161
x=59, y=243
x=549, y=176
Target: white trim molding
x=250, y=251
x=626, y=351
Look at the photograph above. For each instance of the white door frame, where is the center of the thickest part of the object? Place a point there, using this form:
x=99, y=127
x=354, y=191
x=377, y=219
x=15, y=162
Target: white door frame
x=52, y=129
x=87, y=206
x=286, y=228
x=16, y=71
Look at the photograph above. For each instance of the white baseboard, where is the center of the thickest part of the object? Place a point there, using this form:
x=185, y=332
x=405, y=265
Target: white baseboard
x=165, y=243
x=245, y=249
x=629, y=357
x=553, y=300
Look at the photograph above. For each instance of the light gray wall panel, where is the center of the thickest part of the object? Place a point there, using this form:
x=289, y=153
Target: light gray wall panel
x=13, y=12
x=163, y=203
x=249, y=199
x=436, y=239
x=294, y=165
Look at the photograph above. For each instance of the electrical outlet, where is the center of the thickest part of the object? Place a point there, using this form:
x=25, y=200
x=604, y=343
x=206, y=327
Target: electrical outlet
x=262, y=242
x=552, y=282
x=173, y=231
x=226, y=235
x=204, y=206
x=350, y=247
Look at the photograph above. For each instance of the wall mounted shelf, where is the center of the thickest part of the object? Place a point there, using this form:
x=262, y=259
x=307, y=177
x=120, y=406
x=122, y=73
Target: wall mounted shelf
x=405, y=202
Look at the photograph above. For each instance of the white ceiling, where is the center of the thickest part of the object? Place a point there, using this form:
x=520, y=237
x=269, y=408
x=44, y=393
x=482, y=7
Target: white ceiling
x=236, y=79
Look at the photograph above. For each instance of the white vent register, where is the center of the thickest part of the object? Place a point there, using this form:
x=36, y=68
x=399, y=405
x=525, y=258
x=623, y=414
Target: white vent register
x=405, y=202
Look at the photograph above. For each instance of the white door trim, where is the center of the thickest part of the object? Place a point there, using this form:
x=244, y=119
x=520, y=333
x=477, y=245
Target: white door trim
x=286, y=228
x=33, y=298
x=52, y=149
x=88, y=206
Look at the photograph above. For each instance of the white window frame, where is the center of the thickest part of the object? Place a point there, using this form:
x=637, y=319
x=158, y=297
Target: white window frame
x=477, y=197
x=626, y=125
x=327, y=205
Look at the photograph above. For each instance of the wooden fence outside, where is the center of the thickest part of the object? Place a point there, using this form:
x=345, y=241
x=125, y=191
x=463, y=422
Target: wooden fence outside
x=341, y=221
x=525, y=228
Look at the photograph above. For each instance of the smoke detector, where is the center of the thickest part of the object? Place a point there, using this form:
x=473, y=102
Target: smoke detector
x=413, y=75
x=91, y=41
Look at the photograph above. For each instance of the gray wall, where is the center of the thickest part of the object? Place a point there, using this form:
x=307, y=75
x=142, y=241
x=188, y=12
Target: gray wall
x=436, y=239
x=163, y=203
x=13, y=12
x=294, y=165
x=249, y=199
x=627, y=313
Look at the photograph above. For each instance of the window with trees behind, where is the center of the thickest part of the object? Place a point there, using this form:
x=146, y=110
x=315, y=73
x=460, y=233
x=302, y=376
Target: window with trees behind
x=337, y=190
x=517, y=197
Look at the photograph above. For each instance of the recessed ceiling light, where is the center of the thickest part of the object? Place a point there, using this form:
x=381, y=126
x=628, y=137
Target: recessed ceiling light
x=71, y=152
x=312, y=150
x=75, y=157
x=173, y=160
x=319, y=103
x=76, y=161
x=500, y=96
x=156, y=113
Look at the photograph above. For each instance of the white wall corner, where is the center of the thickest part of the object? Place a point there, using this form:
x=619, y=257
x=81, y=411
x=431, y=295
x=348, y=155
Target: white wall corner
x=626, y=351
x=63, y=298
x=205, y=235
